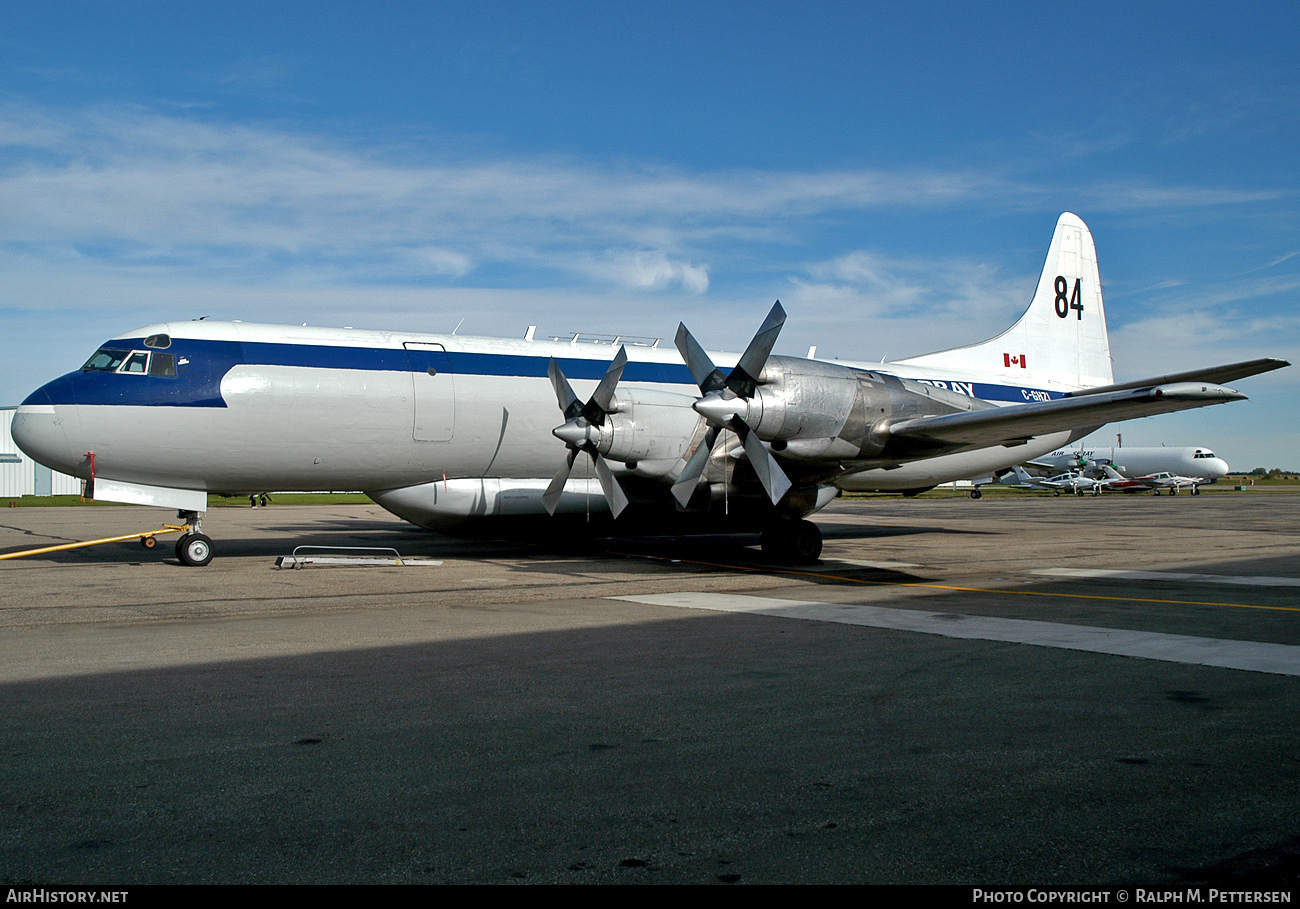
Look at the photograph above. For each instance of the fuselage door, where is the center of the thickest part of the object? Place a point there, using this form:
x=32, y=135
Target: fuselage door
x=433, y=390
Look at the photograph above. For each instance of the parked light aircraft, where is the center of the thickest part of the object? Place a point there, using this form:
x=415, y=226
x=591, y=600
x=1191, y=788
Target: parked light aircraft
x=1194, y=461
x=1165, y=480
x=1075, y=481
x=1015, y=477
x=453, y=432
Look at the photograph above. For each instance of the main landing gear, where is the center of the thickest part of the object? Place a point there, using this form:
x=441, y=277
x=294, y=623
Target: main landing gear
x=794, y=542
x=194, y=548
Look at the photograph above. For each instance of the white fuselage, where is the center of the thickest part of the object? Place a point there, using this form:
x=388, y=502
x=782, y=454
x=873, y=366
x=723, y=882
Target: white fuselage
x=252, y=408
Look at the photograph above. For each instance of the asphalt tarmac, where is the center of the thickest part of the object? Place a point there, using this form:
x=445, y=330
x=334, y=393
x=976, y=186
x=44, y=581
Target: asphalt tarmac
x=1005, y=691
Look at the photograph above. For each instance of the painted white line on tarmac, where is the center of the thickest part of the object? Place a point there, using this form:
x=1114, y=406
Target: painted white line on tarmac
x=1125, y=574
x=1252, y=656
x=862, y=563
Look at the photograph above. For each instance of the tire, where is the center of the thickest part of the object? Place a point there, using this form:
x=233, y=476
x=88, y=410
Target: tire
x=148, y=542
x=194, y=549
x=805, y=543
x=793, y=542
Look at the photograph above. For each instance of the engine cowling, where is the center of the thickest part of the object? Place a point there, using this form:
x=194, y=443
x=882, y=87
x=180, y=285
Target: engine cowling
x=648, y=431
x=813, y=410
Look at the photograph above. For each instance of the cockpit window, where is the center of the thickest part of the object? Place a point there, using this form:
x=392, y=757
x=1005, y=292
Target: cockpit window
x=161, y=364
x=137, y=362
x=1203, y=454
x=132, y=362
x=105, y=360
x=161, y=341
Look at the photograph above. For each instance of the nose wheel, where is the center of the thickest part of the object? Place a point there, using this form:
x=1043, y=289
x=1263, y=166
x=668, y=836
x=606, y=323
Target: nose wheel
x=194, y=549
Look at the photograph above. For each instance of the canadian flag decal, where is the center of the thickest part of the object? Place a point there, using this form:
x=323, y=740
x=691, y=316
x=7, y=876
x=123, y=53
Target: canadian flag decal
x=1013, y=360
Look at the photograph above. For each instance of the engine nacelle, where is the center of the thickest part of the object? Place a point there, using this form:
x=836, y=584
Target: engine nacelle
x=649, y=431
x=815, y=411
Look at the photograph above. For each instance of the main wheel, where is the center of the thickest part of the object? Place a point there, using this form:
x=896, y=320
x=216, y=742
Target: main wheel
x=795, y=542
x=194, y=549
x=805, y=543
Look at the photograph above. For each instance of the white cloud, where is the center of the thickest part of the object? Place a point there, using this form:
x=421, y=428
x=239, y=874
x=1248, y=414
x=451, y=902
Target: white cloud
x=648, y=270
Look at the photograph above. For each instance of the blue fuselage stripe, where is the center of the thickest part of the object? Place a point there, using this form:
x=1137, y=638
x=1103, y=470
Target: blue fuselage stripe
x=201, y=364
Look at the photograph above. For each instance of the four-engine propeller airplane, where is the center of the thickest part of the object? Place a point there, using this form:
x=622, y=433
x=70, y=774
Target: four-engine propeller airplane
x=453, y=432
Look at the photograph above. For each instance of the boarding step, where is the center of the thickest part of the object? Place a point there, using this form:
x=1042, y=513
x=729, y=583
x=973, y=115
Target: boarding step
x=350, y=555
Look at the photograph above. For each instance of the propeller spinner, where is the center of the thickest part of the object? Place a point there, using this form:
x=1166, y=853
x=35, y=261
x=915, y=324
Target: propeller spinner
x=580, y=431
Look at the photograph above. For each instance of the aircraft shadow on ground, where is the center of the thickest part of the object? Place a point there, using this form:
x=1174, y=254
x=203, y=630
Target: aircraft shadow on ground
x=591, y=725
x=694, y=553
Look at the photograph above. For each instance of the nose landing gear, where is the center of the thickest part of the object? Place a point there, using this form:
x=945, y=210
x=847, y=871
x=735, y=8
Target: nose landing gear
x=195, y=547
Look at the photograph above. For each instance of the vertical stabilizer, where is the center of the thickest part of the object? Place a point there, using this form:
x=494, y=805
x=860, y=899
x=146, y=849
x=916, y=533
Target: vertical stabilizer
x=1061, y=339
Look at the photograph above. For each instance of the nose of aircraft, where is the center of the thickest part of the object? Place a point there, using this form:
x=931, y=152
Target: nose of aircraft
x=38, y=430
x=1216, y=468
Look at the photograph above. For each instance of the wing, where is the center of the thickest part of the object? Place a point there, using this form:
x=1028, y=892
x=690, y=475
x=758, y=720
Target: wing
x=1215, y=375
x=1018, y=423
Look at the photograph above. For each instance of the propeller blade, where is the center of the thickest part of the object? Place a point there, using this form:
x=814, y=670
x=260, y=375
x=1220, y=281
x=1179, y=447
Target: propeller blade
x=770, y=474
x=705, y=374
x=689, y=478
x=603, y=397
x=613, y=491
x=551, y=498
x=568, y=401
x=744, y=378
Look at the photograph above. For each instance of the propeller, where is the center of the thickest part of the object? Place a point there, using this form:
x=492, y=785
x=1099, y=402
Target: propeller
x=725, y=398
x=580, y=431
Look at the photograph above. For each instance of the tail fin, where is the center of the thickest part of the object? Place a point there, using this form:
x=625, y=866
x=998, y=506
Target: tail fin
x=1061, y=339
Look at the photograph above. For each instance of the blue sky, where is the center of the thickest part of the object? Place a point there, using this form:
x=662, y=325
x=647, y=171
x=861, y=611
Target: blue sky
x=891, y=172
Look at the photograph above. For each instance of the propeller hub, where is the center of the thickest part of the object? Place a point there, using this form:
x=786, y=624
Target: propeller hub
x=719, y=408
x=576, y=433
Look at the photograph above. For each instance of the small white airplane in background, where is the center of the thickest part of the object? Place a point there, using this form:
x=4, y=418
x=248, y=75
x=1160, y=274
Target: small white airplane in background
x=1015, y=477
x=1158, y=481
x=1075, y=481
x=458, y=433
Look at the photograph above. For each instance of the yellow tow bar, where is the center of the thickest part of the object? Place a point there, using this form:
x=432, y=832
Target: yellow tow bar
x=147, y=540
